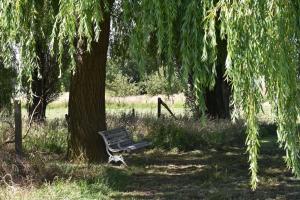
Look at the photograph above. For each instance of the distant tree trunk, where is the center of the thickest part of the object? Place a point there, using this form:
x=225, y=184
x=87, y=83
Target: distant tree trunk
x=218, y=100
x=87, y=98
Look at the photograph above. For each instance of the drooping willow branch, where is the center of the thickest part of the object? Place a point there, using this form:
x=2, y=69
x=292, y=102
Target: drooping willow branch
x=263, y=54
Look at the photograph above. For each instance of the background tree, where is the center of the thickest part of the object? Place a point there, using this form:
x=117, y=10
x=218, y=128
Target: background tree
x=158, y=46
x=45, y=84
x=82, y=27
x=7, y=87
x=263, y=42
x=262, y=49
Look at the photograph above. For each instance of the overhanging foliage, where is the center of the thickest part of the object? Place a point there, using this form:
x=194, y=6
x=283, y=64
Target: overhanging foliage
x=263, y=49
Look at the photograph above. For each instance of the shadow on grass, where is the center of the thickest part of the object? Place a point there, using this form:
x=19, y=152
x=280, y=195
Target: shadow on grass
x=206, y=174
x=209, y=173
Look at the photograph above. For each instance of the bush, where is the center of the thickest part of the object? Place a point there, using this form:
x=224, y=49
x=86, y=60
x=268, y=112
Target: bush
x=183, y=134
x=118, y=83
x=158, y=84
x=122, y=86
x=186, y=135
x=50, y=137
x=167, y=136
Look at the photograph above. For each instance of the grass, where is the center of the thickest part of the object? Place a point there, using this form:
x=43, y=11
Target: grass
x=206, y=173
x=71, y=182
x=59, y=109
x=119, y=105
x=188, y=160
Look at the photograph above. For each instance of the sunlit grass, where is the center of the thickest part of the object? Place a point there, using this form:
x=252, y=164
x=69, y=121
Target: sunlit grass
x=71, y=181
x=58, y=109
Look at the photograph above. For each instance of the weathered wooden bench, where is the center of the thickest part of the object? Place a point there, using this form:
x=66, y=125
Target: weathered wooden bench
x=118, y=141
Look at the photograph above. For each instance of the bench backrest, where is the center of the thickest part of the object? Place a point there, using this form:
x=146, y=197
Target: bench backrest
x=116, y=136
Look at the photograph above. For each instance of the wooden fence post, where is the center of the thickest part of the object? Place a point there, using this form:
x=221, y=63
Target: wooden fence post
x=162, y=103
x=18, y=126
x=159, y=107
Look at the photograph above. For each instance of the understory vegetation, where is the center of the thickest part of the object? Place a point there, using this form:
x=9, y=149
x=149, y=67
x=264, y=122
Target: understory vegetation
x=201, y=160
x=121, y=84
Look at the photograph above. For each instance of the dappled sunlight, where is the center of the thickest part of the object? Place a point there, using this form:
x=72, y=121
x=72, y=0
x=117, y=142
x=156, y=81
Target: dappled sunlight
x=212, y=173
x=174, y=169
x=205, y=174
x=216, y=171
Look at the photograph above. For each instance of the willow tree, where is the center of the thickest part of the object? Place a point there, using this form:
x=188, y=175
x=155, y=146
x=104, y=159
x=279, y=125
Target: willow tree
x=262, y=62
x=45, y=85
x=179, y=45
x=263, y=51
x=82, y=29
x=262, y=45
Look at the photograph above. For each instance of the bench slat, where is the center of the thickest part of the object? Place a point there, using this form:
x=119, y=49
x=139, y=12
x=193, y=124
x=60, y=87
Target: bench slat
x=126, y=143
x=118, y=139
x=137, y=146
x=116, y=135
x=116, y=130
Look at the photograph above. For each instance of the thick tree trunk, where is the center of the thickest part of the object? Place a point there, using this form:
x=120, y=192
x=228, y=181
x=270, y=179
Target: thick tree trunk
x=218, y=100
x=87, y=99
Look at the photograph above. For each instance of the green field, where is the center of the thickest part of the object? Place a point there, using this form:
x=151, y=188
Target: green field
x=59, y=108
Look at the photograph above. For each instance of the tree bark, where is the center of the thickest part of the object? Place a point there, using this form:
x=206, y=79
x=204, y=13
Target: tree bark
x=87, y=99
x=218, y=100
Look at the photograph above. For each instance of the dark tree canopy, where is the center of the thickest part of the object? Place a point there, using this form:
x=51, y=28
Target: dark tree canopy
x=7, y=85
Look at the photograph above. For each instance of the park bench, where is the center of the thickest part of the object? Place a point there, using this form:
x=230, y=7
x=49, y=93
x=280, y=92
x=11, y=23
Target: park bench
x=118, y=141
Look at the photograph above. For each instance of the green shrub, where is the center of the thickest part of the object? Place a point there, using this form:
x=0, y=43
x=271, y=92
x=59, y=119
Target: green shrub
x=122, y=86
x=183, y=134
x=157, y=83
x=119, y=83
x=50, y=137
x=169, y=136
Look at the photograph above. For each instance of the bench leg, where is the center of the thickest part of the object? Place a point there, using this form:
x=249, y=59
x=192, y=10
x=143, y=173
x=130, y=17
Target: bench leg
x=116, y=158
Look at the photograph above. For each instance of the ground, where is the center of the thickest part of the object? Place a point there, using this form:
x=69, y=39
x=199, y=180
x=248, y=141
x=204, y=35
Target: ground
x=156, y=174
x=216, y=168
